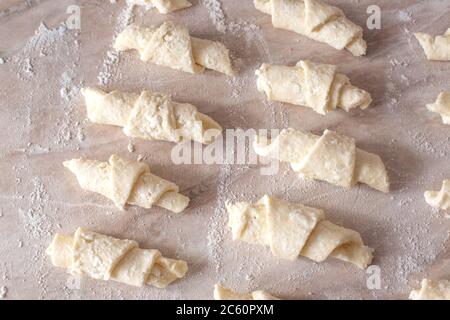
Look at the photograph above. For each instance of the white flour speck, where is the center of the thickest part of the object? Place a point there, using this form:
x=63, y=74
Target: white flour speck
x=216, y=14
x=68, y=89
x=404, y=16
x=44, y=37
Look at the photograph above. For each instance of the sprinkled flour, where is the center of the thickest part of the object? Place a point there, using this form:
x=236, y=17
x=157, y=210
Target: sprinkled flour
x=404, y=16
x=45, y=38
x=217, y=221
x=109, y=65
x=37, y=222
x=46, y=120
x=216, y=14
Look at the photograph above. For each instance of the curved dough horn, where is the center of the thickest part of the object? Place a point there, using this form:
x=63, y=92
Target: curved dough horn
x=170, y=45
x=150, y=116
x=129, y=182
x=317, y=86
x=106, y=258
x=332, y=157
x=316, y=20
x=292, y=229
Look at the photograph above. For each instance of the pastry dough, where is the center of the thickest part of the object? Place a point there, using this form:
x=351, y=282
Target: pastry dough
x=150, y=116
x=432, y=290
x=125, y=181
x=316, y=20
x=292, y=229
x=222, y=293
x=439, y=199
x=332, y=157
x=317, y=86
x=163, y=6
x=171, y=45
x=436, y=48
x=101, y=257
x=442, y=106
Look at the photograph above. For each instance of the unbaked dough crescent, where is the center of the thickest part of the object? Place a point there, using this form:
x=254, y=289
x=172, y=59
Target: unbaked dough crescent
x=124, y=181
x=292, y=229
x=332, y=157
x=439, y=199
x=314, y=85
x=150, y=116
x=222, y=293
x=436, y=48
x=163, y=6
x=316, y=20
x=170, y=45
x=442, y=106
x=432, y=290
x=101, y=257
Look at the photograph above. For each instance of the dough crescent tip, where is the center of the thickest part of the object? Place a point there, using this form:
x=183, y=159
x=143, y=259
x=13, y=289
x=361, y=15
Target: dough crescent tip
x=291, y=230
x=127, y=182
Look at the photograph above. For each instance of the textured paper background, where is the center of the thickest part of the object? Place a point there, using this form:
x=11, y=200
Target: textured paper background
x=43, y=122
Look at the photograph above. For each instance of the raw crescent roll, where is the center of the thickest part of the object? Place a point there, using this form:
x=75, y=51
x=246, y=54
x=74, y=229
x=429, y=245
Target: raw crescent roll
x=292, y=229
x=222, y=293
x=163, y=6
x=316, y=20
x=150, y=116
x=171, y=45
x=442, y=106
x=436, y=48
x=439, y=199
x=432, y=290
x=101, y=257
x=332, y=157
x=124, y=181
x=313, y=85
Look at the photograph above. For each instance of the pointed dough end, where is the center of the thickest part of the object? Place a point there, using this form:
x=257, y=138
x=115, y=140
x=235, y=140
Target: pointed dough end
x=358, y=47
x=71, y=164
x=441, y=106
x=429, y=196
x=173, y=201
x=432, y=290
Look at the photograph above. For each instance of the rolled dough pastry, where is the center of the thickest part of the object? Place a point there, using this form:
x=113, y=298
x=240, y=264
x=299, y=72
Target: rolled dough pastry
x=222, y=293
x=442, y=106
x=436, y=48
x=332, y=157
x=101, y=257
x=439, y=199
x=150, y=116
x=124, y=181
x=292, y=229
x=163, y=6
x=432, y=290
x=316, y=20
x=171, y=45
x=313, y=85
